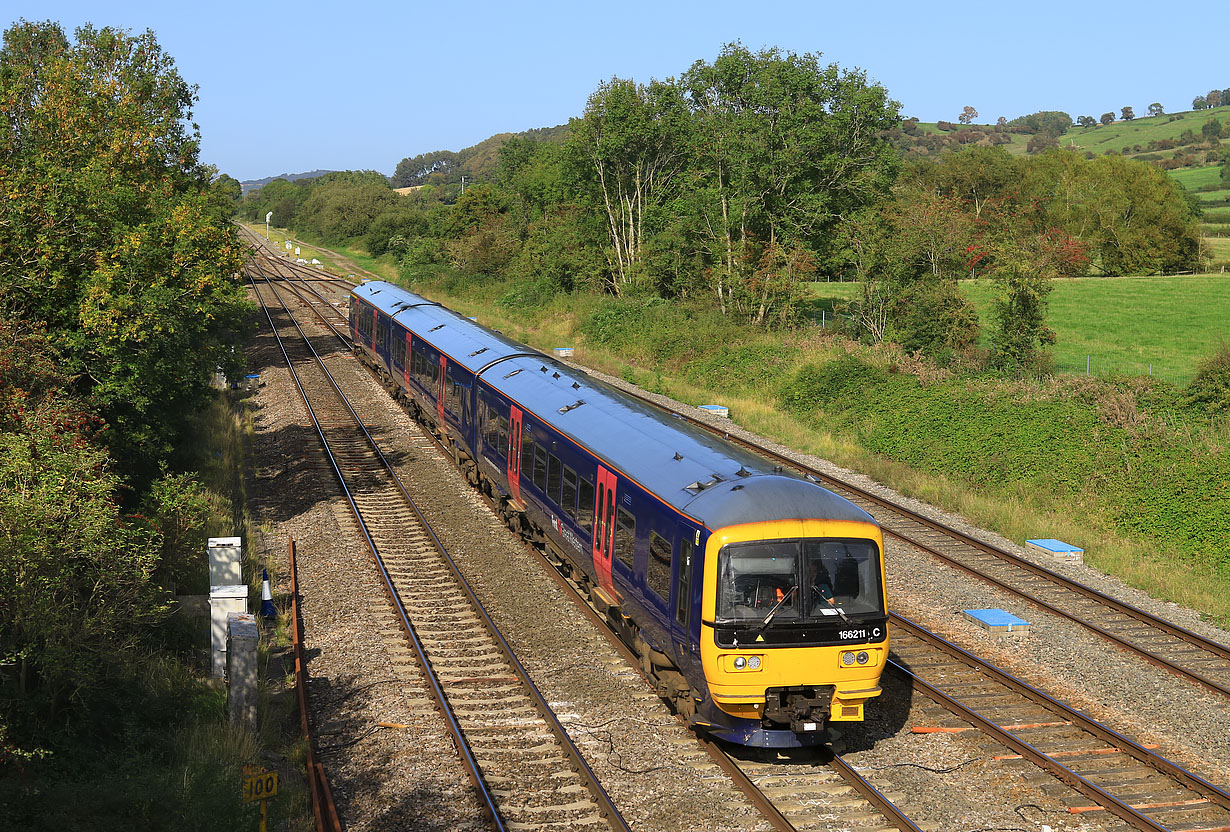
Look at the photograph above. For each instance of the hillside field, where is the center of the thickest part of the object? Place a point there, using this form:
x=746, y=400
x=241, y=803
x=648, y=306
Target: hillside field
x=1122, y=324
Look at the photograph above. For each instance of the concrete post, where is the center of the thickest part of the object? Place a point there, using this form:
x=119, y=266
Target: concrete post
x=225, y=557
x=223, y=600
x=241, y=668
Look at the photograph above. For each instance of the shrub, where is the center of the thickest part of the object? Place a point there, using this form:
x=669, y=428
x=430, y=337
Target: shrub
x=1210, y=389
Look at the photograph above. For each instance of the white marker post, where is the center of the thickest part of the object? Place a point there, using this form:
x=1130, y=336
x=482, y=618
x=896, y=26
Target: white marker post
x=267, y=218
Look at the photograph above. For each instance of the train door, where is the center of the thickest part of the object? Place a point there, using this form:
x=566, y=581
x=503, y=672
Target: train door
x=375, y=327
x=604, y=530
x=407, y=361
x=514, y=455
x=687, y=651
x=440, y=389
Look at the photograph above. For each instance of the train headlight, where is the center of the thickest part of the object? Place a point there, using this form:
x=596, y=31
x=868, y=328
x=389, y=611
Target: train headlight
x=753, y=662
x=862, y=657
x=847, y=658
x=740, y=662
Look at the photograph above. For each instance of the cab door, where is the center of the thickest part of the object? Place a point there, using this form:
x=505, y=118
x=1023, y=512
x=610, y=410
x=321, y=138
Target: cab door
x=604, y=530
x=514, y=455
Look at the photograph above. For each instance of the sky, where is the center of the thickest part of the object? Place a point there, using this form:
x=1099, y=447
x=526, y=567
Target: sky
x=286, y=88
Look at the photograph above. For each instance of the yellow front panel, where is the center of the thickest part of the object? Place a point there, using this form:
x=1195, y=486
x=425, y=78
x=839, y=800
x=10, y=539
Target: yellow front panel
x=741, y=692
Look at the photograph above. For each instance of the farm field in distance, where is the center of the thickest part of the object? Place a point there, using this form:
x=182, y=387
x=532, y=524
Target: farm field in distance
x=1124, y=324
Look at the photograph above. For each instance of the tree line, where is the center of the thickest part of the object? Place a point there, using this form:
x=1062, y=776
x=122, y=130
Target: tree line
x=119, y=302
x=740, y=181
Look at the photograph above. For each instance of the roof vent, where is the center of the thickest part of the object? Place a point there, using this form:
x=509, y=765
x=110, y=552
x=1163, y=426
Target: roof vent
x=736, y=488
x=542, y=369
x=743, y=472
x=678, y=456
x=513, y=373
x=434, y=328
x=576, y=385
x=478, y=351
x=572, y=406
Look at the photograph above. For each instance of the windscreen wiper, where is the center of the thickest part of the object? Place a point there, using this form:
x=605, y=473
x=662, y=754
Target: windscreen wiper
x=777, y=607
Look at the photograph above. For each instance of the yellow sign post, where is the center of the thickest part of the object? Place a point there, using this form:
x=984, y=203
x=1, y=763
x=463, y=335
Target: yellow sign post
x=259, y=785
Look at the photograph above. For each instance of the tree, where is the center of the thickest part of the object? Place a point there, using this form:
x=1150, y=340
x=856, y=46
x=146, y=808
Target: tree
x=968, y=114
x=1155, y=109
x=1213, y=99
x=783, y=148
x=110, y=235
x=1128, y=115
x=628, y=150
x=1108, y=118
x=1001, y=121
x=1199, y=103
x=1086, y=121
x=1211, y=130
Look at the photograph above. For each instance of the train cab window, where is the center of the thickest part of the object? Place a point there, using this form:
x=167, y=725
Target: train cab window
x=585, y=506
x=683, y=601
x=568, y=497
x=813, y=578
x=625, y=537
x=843, y=577
x=553, y=478
x=658, y=576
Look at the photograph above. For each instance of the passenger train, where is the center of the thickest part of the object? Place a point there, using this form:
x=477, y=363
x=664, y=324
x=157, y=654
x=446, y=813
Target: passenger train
x=755, y=598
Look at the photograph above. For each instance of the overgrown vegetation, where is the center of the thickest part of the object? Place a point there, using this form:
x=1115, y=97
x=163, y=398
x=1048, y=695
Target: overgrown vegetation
x=119, y=304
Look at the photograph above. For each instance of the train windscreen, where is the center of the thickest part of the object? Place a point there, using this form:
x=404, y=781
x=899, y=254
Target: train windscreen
x=806, y=579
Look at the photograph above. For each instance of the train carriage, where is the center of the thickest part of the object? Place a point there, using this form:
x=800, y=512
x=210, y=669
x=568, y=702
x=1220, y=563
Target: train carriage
x=755, y=598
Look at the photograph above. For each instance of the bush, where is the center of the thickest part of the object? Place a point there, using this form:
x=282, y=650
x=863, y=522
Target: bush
x=1210, y=389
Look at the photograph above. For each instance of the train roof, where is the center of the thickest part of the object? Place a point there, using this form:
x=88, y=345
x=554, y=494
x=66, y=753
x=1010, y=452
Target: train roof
x=696, y=472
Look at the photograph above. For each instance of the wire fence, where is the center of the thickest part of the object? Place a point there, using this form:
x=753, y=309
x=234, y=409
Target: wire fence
x=1107, y=367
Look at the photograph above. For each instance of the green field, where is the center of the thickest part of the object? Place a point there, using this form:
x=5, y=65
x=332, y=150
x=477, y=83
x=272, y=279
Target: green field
x=1193, y=178
x=1123, y=325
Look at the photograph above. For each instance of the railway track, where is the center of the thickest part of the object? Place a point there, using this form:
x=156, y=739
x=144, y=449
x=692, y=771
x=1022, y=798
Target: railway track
x=1113, y=773
x=522, y=764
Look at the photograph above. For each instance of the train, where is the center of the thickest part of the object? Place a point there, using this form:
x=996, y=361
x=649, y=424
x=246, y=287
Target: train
x=754, y=597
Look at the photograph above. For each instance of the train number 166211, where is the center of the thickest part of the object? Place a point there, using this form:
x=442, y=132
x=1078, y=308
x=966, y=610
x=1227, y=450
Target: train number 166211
x=849, y=635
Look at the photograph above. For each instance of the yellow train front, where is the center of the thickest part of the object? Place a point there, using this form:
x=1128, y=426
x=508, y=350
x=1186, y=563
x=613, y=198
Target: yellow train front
x=793, y=615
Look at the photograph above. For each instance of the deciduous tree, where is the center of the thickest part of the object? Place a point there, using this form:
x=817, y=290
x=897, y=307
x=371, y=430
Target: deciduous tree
x=1127, y=114
x=1108, y=118
x=107, y=229
x=1155, y=109
x=968, y=114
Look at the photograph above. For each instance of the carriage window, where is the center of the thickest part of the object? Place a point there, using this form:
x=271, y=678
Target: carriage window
x=553, y=478
x=658, y=576
x=683, y=601
x=568, y=501
x=501, y=443
x=625, y=538
x=527, y=450
x=540, y=468
x=585, y=506
x=493, y=428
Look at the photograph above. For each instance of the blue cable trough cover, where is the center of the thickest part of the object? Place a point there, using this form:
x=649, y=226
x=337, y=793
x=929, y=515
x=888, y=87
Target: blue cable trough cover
x=715, y=409
x=997, y=621
x=1057, y=549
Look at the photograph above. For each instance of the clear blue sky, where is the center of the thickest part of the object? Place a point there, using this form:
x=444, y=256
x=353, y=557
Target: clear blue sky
x=294, y=87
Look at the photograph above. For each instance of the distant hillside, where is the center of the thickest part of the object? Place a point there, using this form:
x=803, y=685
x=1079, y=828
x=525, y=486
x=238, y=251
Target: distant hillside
x=1173, y=140
x=476, y=164
x=253, y=184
